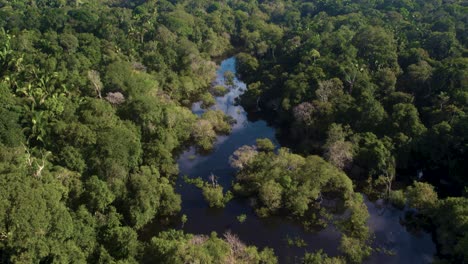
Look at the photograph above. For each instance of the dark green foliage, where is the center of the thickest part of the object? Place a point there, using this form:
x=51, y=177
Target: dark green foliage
x=71, y=158
x=150, y=195
x=98, y=194
x=453, y=237
x=88, y=87
x=356, y=234
x=94, y=100
x=11, y=133
x=448, y=216
x=32, y=204
x=387, y=68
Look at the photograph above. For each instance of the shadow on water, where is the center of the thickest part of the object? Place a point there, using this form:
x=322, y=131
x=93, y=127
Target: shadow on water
x=273, y=232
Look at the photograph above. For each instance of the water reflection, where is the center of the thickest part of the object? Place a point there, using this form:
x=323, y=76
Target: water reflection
x=274, y=231
x=406, y=247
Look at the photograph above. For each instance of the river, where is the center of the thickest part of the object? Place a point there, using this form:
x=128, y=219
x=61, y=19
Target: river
x=273, y=231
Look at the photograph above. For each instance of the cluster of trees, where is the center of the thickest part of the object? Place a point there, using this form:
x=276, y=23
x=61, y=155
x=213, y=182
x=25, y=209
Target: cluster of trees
x=94, y=100
x=298, y=186
x=211, y=124
x=393, y=69
x=377, y=88
x=447, y=217
x=179, y=248
x=212, y=191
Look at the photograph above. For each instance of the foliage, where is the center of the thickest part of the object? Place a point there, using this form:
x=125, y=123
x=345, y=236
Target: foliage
x=398, y=199
x=448, y=217
x=92, y=103
x=320, y=257
x=264, y=144
x=177, y=247
x=215, y=197
x=421, y=196
x=287, y=183
x=94, y=100
x=390, y=69
x=150, y=195
x=211, y=190
x=219, y=90
x=204, y=131
x=453, y=236
x=241, y=218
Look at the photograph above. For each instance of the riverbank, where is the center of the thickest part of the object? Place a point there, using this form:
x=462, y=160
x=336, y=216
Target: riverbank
x=274, y=231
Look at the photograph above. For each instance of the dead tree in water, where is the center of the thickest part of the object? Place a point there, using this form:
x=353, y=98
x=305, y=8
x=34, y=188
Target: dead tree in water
x=214, y=180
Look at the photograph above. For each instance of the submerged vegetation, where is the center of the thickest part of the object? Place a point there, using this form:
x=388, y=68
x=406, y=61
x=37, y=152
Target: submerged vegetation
x=179, y=248
x=95, y=103
x=297, y=186
x=211, y=190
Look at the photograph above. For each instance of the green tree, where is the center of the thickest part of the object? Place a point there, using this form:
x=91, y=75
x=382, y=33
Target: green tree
x=373, y=154
x=264, y=144
x=271, y=195
x=98, y=195
x=452, y=236
x=33, y=205
x=422, y=196
x=378, y=47
x=406, y=120
x=214, y=195
x=150, y=195
x=204, y=135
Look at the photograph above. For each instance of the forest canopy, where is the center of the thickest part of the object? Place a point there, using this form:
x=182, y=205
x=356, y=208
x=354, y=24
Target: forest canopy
x=95, y=101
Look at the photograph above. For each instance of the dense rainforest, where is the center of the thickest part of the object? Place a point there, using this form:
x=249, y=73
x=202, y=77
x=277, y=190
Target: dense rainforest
x=369, y=96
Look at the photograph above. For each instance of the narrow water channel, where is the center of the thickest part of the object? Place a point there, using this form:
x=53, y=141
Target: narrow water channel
x=272, y=232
